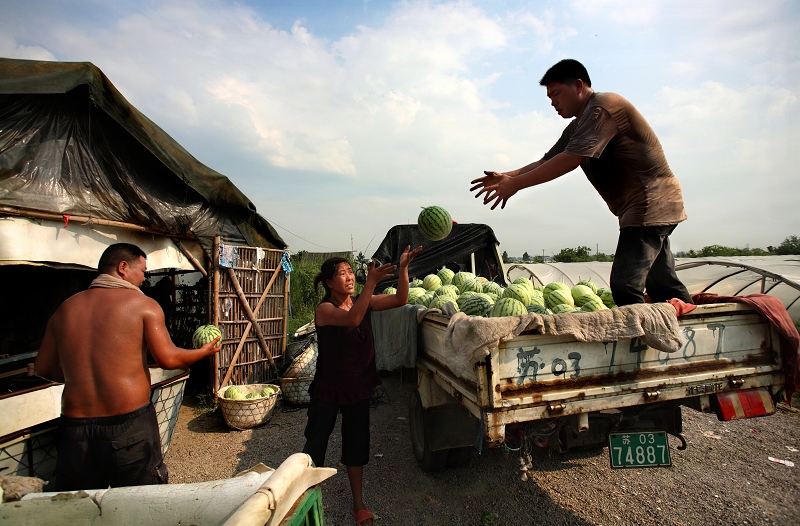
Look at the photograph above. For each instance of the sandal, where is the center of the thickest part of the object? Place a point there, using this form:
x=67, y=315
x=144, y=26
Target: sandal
x=363, y=516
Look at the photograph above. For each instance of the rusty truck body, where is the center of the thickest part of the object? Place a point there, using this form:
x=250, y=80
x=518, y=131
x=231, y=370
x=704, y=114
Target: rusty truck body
x=558, y=392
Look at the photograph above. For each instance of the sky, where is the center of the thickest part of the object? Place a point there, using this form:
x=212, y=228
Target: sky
x=339, y=120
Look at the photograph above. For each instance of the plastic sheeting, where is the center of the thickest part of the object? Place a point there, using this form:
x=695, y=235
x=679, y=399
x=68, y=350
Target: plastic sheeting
x=777, y=276
x=71, y=144
x=79, y=246
x=454, y=252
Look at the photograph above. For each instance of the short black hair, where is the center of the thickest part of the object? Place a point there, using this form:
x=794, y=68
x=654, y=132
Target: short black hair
x=566, y=71
x=116, y=253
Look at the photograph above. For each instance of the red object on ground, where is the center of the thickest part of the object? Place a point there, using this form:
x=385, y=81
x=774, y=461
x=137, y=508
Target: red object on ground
x=747, y=403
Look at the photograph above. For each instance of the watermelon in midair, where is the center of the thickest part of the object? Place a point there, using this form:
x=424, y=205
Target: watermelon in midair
x=434, y=223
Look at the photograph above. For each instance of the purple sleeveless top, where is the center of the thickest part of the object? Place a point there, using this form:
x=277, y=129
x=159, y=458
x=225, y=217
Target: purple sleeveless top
x=346, y=371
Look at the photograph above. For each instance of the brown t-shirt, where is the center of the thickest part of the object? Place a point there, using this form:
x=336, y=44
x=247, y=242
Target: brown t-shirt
x=623, y=160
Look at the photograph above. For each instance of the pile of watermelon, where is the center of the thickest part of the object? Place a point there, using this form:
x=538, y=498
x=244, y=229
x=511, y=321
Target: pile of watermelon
x=476, y=296
x=234, y=392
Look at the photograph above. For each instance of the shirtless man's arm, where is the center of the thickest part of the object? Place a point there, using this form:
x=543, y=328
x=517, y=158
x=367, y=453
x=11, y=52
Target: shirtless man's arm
x=160, y=345
x=95, y=345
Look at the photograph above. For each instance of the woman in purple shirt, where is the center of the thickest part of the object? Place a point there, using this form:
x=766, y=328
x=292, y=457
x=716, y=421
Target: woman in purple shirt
x=346, y=375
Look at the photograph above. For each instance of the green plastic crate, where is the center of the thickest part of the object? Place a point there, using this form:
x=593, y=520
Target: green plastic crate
x=307, y=511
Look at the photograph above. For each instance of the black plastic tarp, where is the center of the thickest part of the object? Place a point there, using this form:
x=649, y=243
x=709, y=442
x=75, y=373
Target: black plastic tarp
x=71, y=144
x=454, y=252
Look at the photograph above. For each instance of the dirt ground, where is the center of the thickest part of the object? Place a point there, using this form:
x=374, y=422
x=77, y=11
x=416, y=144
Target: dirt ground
x=723, y=477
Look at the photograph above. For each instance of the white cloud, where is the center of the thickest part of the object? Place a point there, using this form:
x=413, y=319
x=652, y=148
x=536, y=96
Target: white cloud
x=407, y=109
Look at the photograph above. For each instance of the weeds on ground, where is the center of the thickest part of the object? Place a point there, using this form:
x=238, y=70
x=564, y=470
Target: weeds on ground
x=206, y=403
x=489, y=518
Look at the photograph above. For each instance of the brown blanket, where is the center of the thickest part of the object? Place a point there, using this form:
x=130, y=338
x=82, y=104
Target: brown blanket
x=470, y=339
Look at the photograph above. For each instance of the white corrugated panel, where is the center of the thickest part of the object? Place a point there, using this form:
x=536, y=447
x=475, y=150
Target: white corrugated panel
x=569, y=273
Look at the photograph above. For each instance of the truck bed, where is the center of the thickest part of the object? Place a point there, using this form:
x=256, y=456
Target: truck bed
x=534, y=376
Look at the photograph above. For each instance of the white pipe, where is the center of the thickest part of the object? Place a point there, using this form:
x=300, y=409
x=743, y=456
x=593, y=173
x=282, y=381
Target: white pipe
x=583, y=422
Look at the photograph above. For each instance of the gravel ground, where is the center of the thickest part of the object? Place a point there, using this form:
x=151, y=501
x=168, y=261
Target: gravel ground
x=723, y=477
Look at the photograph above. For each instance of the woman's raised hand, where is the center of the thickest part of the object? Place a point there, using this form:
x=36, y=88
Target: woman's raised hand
x=377, y=273
x=408, y=255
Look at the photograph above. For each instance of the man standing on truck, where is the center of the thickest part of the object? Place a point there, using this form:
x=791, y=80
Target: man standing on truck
x=623, y=159
x=95, y=345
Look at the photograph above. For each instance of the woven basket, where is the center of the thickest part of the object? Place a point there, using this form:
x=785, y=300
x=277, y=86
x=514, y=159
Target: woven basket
x=252, y=412
x=305, y=363
x=295, y=390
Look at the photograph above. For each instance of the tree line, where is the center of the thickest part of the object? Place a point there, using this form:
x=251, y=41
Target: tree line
x=789, y=246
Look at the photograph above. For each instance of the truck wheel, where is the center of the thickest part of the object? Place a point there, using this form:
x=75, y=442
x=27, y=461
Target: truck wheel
x=428, y=460
x=459, y=457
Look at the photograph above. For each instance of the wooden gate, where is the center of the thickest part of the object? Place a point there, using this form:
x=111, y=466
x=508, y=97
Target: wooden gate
x=248, y=301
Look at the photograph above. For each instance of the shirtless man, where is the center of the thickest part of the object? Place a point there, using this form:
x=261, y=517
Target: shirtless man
x=96, y=345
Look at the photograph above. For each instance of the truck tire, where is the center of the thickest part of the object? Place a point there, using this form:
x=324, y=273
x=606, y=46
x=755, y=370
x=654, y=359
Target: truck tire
x=428, y=460
x=459, y=457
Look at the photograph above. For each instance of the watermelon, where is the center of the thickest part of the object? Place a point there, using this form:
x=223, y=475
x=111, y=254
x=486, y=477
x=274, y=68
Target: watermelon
x=494, y=288
x=205, y=334
x=268, y=391
x=589, y=283
x=563, y=308
x=555, y=285
x=519, y=292
x=472, y=285
x=493, y=296
x=507, y=307
x=414, y=293
x=434, y=223
x=593, y=305
x=446, y=275
x=390, y=290
x=256, y=394
x=607, y=297
x=559, y=297
x=460, y=277
x=524, y=281
x=438, y=302
x=586, y=298
x=416, y=282
x=537, y=299
x=538, y=309
x=425, y=299
x=233, y=393
x=578, y=291
x=431, y=282
x=448, y=290
x=476, y=306
x=464, y=296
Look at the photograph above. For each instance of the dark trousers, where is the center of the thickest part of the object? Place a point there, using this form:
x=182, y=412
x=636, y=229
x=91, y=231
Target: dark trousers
x=355, y=431
x=123, y=450
x=643, y=263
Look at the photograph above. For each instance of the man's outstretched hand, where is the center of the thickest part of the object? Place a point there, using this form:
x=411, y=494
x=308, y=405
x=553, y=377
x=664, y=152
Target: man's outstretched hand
x=497, y=187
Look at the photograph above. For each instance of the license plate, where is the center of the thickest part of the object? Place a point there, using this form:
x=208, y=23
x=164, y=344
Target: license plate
x=649, y=449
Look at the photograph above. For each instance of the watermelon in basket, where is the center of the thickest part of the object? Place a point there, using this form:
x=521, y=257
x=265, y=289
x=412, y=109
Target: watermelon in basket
x=248, y=406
